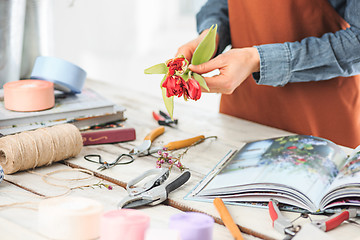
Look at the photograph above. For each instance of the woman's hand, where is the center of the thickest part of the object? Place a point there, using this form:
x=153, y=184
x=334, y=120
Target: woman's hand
x=234, y=65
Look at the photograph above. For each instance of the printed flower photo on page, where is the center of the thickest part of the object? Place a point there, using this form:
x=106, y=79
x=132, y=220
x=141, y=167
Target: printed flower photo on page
x=178, y=79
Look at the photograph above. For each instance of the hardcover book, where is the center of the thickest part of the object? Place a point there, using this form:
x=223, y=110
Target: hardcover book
x=304, y=173
x=83, y=110
x=112, y=135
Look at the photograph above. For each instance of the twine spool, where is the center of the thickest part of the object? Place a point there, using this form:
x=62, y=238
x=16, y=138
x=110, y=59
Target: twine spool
x=41, y=147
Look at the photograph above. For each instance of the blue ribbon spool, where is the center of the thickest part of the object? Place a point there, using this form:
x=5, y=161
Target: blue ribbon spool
x=66, y=76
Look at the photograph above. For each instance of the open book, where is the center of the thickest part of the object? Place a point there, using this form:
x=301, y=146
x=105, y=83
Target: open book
x=303, y=172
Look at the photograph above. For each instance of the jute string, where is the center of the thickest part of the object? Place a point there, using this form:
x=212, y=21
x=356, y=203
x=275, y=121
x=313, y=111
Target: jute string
x=46, y=177
x=41, y=147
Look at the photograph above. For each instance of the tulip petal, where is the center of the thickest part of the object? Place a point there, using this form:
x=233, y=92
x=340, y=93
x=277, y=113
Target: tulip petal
x=205, y=50
x=201, y=81
x=160, y=68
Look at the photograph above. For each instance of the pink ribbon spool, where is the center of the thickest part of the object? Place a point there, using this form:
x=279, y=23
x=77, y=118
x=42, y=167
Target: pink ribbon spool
x=192, y=225
x=29, y=95
x=124, y=224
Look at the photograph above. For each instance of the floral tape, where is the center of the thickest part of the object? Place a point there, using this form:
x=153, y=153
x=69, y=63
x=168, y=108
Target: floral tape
x=29, y=95
x=70, y=218
x=66, y=76
x=192, y=225
x=124, y=224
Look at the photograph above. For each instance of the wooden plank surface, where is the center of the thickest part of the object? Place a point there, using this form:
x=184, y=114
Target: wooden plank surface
x=232, y=133
x=23, y=218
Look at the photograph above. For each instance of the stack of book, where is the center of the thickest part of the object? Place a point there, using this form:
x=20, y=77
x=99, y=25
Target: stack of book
x=84, y=110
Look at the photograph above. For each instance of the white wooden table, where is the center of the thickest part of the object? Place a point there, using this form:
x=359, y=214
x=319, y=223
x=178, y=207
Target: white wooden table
x=20, y=221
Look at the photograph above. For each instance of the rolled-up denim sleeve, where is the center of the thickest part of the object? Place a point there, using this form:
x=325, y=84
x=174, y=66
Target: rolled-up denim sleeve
x=313, y=59
x=215, y=12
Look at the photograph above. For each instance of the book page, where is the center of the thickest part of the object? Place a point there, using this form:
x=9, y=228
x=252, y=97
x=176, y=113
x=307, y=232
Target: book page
x=304, y=163
x=345, y=188
x=350, y=172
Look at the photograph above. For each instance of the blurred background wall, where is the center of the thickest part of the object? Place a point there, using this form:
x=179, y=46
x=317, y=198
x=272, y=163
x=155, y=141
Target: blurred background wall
x=115, y=40
x=112, y=40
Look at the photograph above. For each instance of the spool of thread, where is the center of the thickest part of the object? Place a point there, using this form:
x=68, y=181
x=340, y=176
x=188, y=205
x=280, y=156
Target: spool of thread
x=29, y=95
x=192, y=225
x=70, y=218
x=124, y=224
x=40, y=147
x=66, y=76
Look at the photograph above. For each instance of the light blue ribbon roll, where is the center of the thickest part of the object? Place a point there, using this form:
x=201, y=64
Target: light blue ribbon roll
x=66, y=76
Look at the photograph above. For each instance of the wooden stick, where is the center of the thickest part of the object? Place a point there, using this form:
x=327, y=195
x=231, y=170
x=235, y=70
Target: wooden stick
x=227, y=219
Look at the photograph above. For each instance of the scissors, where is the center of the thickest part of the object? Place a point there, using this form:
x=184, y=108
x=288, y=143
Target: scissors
x=96, y=158
x=154, y=191
x=146, y=149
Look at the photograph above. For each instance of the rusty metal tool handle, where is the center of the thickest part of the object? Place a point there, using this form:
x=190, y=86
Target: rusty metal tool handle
x=183, y=143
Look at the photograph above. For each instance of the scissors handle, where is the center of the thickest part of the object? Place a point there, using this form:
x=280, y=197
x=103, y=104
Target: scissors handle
x=183, y=143
x=183, y=178
x=155, y=133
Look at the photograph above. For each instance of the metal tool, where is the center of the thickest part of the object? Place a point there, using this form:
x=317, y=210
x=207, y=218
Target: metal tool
x=285, y=226
x=155, y=194
x=335, y=220
x=146, y=149
x=96, y=158
x=164, y=119
x=281, y=223
x=161, y=174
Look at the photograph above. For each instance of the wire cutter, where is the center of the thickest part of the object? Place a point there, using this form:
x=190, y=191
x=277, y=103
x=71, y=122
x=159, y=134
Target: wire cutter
x=285, y=226
x=153, y=192
x=146, y=149
x=164, y=119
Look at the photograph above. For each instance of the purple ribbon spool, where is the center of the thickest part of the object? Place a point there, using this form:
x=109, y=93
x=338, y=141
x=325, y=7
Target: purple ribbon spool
x=193, y=225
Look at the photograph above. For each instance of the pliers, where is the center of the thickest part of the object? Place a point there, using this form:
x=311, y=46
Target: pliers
x=153, y=192
x=285, y=226
x=164, y=119
x=146, y=149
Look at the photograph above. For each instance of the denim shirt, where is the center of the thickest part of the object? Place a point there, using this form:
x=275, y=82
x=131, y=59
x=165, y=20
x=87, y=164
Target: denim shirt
x=311, y=59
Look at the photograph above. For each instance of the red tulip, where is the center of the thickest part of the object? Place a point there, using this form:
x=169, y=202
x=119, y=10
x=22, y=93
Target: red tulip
x=177, y=65
x=174, y=86
x=193, y=90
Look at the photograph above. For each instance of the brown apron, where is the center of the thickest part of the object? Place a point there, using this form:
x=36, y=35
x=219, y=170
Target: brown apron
x=329, y=109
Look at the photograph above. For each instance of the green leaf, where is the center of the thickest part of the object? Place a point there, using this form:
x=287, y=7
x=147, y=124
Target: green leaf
x=201, y=81
x=169, y=102
x=185, y=76
x=160, y=68
x=205, y=50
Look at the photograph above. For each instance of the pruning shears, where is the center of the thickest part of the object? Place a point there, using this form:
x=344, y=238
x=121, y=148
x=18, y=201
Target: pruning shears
x=285, y=226
x=146, y=149
x=163, y=119
x=154, y=191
